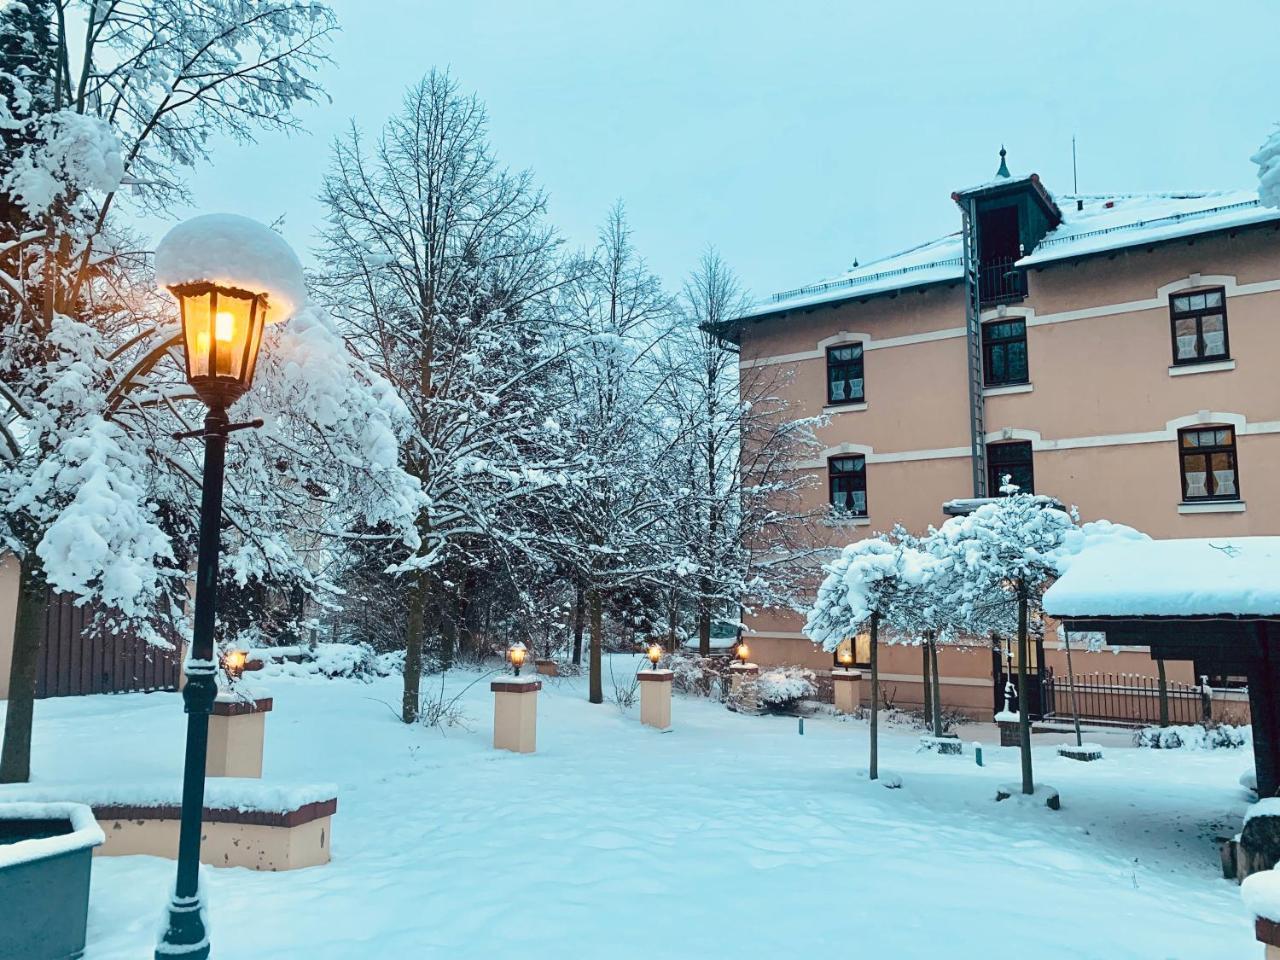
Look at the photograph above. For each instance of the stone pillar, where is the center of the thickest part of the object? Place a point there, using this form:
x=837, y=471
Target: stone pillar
x=1268, y=932
x=743, y=695
x=1010, y=729
x=847, y=685
x=236, y=732
x=655, y=697
x=515, y=713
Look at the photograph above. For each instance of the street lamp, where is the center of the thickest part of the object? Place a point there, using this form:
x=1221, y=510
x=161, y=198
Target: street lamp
x=516, y=654
x=231, y=276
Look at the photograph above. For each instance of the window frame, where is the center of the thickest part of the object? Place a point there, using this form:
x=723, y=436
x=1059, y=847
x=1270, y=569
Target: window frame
x=1207, y=452
x=993, y=488
x=831, y=483
x=862, y=369
x=1198, y=315
x=987, y=345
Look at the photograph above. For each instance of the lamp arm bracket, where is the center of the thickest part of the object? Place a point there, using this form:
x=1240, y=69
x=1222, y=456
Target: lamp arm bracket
x=222, y=432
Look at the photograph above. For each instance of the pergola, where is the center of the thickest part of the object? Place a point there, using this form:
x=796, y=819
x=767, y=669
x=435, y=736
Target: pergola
x=1214, y=600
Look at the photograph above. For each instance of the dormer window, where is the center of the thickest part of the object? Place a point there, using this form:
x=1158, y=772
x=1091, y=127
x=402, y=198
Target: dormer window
x=1199, y=326
x=844, y=374
x=999, y=247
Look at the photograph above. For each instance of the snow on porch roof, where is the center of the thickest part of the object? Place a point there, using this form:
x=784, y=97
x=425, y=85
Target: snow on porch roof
x=1215, y=577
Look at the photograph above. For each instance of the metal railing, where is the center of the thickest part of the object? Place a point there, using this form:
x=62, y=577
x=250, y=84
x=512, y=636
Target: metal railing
x=999, y=281
x=1122, y=698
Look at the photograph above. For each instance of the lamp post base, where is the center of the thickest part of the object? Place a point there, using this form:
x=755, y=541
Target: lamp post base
x=185, y=934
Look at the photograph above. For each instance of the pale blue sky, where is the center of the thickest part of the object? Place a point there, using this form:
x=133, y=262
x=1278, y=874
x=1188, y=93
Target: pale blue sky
x=795, y=135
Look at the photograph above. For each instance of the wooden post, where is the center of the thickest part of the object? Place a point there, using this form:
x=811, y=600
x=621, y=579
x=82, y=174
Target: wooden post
x=1164, y=692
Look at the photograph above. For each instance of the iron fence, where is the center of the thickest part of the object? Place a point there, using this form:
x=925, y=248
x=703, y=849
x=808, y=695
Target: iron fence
x=999, y=281
x=1122, y=698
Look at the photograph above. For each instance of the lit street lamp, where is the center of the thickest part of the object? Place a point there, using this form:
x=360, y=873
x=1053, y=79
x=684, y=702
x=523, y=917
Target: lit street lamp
x=231, y=276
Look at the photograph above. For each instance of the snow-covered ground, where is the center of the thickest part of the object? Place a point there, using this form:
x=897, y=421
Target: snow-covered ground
x=729, y=836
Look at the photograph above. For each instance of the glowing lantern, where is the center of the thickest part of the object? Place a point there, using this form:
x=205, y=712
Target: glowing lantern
x=516, y=654
x=654, y=654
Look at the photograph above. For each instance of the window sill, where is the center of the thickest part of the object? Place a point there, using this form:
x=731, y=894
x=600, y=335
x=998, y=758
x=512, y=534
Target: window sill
x=847, y=521
x=1214, y=366
x=1007, y=388
x=1211, y=506
x=833, y=408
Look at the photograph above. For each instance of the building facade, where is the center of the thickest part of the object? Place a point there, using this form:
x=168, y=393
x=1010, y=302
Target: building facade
x=1113, y=352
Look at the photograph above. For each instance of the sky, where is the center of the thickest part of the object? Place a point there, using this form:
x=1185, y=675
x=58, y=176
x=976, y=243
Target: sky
x=793, y=136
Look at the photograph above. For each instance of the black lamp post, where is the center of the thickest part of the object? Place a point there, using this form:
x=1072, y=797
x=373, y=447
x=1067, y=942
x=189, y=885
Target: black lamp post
x=221, y=333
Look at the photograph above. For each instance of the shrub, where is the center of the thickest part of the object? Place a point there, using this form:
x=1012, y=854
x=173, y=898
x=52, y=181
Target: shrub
x=1193, y=737
x=782, y=688
x=698, y=676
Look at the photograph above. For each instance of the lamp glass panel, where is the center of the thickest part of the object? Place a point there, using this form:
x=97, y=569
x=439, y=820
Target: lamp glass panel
x=197, y=331
x=230, y=334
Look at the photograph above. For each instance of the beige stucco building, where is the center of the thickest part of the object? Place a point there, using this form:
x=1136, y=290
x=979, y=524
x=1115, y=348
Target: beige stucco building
x=1113, y=352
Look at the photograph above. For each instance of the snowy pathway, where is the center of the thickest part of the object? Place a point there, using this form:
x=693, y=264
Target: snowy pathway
x=729, y=837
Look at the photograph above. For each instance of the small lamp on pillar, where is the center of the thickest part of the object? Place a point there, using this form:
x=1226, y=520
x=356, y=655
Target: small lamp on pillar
x=516, y=653
x=233, y=662
x=654, y=653
x=743, y=652
x=231, y=276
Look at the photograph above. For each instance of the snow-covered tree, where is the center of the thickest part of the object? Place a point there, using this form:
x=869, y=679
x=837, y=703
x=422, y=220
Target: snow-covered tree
x=1267, y=160
x=1007, y=550
x=875, y=582
x=97, y=498
x=442, y=265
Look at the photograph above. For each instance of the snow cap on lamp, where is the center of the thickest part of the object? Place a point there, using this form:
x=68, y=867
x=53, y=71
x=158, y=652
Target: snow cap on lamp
x=233, y=251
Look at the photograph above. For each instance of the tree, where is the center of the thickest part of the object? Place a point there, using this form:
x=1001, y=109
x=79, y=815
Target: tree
x=443, y=266
x=873, y=583
x=1008, y=549
x=97, y=493
x=1267, y=160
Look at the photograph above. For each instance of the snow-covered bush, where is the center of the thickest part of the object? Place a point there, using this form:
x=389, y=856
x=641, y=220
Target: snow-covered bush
x=1194, y=737
x=1268, y=161
x=698, y=676
x=781, y=688
x=331, y=660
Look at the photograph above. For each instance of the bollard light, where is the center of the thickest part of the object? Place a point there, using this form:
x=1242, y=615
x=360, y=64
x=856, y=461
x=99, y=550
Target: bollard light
x=654, y=654
x=233, y=662
x=744, y=652
x=516, y=654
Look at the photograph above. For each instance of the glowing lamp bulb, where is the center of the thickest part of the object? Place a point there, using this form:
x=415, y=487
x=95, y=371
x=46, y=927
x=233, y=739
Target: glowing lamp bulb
x=233, y=662
x=846, y=656
x=516, y=655
x=654, y=653
x=224, y=326
x=744, y=652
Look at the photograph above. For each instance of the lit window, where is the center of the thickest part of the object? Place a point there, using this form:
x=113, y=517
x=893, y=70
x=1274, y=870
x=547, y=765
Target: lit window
x=1004, y=352
x=1199, y=326
x=1208, y=459
x=844, y=374
x=847, y=484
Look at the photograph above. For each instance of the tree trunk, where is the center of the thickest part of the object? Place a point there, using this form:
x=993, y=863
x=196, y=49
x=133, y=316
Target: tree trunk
x=413, y=649
x=579, y=622
x=596, y=694
x=873, y=769
x=15, y=761
x=1024, y=714
x=926, y=689
x=704, y=625
x=1164, y=693
x=936, y=687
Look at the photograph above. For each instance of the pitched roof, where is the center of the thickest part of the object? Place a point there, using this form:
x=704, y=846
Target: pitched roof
x=1106, y=223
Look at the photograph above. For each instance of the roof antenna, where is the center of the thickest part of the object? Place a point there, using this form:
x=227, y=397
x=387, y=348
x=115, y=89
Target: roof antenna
x=1004, y=167
x=1075, y=175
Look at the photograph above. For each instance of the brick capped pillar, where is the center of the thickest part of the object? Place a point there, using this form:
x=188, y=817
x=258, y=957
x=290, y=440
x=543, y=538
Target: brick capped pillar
x=237, y=729
x=1268, y=932
x=655, y=698
x=515, y=713
x=744, y=696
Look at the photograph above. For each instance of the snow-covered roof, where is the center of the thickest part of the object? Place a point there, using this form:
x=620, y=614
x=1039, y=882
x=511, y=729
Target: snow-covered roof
x=1106, y=222
x=233, y=251
x=1212, y=577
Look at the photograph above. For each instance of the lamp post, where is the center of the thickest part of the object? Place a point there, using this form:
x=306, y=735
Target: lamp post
x=222, y=324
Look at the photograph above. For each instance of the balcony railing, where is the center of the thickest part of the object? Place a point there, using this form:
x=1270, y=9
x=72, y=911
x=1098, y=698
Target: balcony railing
x=999, y=281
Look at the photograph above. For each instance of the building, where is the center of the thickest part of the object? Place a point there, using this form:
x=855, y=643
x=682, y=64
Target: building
x=1113, y=352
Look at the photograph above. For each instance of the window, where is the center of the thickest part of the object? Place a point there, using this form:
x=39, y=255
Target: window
x=1012, y=460
x=844, y=374
x=1199, y=326
x=847, y=483
x=854, y=651
x=1004, y=352
x=1208, y=456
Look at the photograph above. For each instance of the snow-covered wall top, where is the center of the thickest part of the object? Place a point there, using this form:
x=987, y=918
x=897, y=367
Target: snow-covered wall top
x=233, y=251
x=220, y=793
x=1171, y=578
